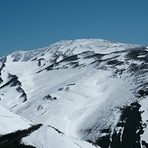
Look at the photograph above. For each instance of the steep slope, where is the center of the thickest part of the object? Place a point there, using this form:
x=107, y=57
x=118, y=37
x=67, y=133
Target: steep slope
x=87, y=89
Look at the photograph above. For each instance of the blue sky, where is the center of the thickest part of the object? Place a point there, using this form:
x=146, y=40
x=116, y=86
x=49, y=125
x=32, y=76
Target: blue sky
x=30, y=24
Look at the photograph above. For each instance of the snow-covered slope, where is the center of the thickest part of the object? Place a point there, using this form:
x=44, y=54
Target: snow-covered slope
x=10, y=122
x=86, y=89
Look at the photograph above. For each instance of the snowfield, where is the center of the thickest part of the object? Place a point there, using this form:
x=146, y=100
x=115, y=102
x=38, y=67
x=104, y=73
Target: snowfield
x=83, y=92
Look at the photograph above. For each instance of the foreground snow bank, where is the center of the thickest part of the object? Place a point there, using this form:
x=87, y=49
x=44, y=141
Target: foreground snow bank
x=48, y=137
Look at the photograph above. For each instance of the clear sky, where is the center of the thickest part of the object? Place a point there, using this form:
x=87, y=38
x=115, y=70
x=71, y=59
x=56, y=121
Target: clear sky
x=30, y=24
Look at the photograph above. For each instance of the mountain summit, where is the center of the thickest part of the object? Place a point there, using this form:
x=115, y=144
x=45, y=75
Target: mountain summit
x=82, y=93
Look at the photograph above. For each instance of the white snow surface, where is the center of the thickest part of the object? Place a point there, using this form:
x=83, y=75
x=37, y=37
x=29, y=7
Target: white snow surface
x=11, y=122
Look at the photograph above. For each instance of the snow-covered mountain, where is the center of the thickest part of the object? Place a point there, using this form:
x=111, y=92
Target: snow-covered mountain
x=84, y=93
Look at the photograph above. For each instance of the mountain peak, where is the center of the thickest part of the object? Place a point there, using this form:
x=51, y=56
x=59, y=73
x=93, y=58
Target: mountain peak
x=71, y=47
